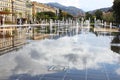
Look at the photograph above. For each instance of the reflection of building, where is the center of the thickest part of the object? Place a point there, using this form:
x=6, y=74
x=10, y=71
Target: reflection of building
x=6, y=30
x=10, y=38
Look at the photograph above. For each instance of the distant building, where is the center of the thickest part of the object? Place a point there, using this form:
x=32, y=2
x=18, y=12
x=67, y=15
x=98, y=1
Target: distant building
x=40, y=7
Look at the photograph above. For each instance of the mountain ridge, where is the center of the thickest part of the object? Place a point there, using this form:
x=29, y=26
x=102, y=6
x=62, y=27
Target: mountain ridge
x=107, y=9
x=70, y=9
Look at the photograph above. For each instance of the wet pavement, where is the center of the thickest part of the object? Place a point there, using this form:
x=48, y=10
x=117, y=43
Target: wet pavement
x=86, y=56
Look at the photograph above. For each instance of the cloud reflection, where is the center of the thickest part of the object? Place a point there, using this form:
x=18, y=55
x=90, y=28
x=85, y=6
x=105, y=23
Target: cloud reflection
x=36, y=57
x=118, y=71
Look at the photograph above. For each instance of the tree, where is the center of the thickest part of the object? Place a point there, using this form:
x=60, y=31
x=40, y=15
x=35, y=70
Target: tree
x=50, y=15
x=88, y=15
x=63, y=14
x=60, y=14
x=116, y=10
x=108, y=17
x=45, y=15
x=69, y=16
x=99, y=14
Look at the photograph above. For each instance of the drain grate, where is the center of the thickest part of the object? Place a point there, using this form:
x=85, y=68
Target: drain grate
x=58, y=68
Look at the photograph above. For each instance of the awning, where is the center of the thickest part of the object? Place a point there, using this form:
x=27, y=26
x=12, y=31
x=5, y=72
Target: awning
x=4, y=12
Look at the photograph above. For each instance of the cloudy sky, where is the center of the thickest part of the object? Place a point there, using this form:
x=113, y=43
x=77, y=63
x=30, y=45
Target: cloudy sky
x=86, y=5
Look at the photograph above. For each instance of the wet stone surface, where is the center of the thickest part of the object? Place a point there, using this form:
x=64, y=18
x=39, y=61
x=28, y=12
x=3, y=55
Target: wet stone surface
x=80, y=57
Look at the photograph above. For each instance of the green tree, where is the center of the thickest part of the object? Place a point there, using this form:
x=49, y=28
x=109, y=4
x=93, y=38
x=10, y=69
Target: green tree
x=108, y=17
x=116, y=10
x=88, y=15
x=63, y=14
x=69, y=16
x=50, y=15
x=60, y=16
x=45, y=15
x=99, y=14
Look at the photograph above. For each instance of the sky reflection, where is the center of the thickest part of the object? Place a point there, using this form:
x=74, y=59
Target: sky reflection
x=81, y=52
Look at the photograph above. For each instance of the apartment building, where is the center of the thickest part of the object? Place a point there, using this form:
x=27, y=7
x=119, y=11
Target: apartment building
x=23, y=8
x=5, y=9
x=40, y=7
x=5, y=4
x=17, y=9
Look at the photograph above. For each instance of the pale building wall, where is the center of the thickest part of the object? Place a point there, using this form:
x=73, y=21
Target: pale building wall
x=19, y=7
x=39, y=7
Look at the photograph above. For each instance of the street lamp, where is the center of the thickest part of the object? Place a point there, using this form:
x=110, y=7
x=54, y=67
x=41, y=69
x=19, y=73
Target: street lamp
x=12, y=2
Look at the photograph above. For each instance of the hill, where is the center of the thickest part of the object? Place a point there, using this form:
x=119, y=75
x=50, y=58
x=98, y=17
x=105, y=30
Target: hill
x=70, y=9
x=102, y=9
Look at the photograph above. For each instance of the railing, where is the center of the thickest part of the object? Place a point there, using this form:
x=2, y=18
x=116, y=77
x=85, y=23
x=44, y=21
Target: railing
x=19, y=38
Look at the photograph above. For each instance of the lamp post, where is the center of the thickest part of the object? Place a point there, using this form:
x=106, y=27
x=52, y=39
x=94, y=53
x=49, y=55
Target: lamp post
x=12, y=2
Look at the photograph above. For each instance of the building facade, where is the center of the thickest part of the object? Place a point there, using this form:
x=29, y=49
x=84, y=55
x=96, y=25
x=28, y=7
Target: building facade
x=5, y=6
x=18, y=9
x=24, y=9
x=40, y=7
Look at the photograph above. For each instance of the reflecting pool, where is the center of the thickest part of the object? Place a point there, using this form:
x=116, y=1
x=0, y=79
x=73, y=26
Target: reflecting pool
x=86, y=56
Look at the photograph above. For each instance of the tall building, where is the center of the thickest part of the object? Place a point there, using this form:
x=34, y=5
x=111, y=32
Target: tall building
x=5, y=4
x=22, y=8
x=5, y=7
x=13, y=10
x=17, y=9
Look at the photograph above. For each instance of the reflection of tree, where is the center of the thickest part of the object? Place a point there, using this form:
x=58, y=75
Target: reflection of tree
x=7, y=35
x=115, y=49
x=97, y=33
x=116, y=40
